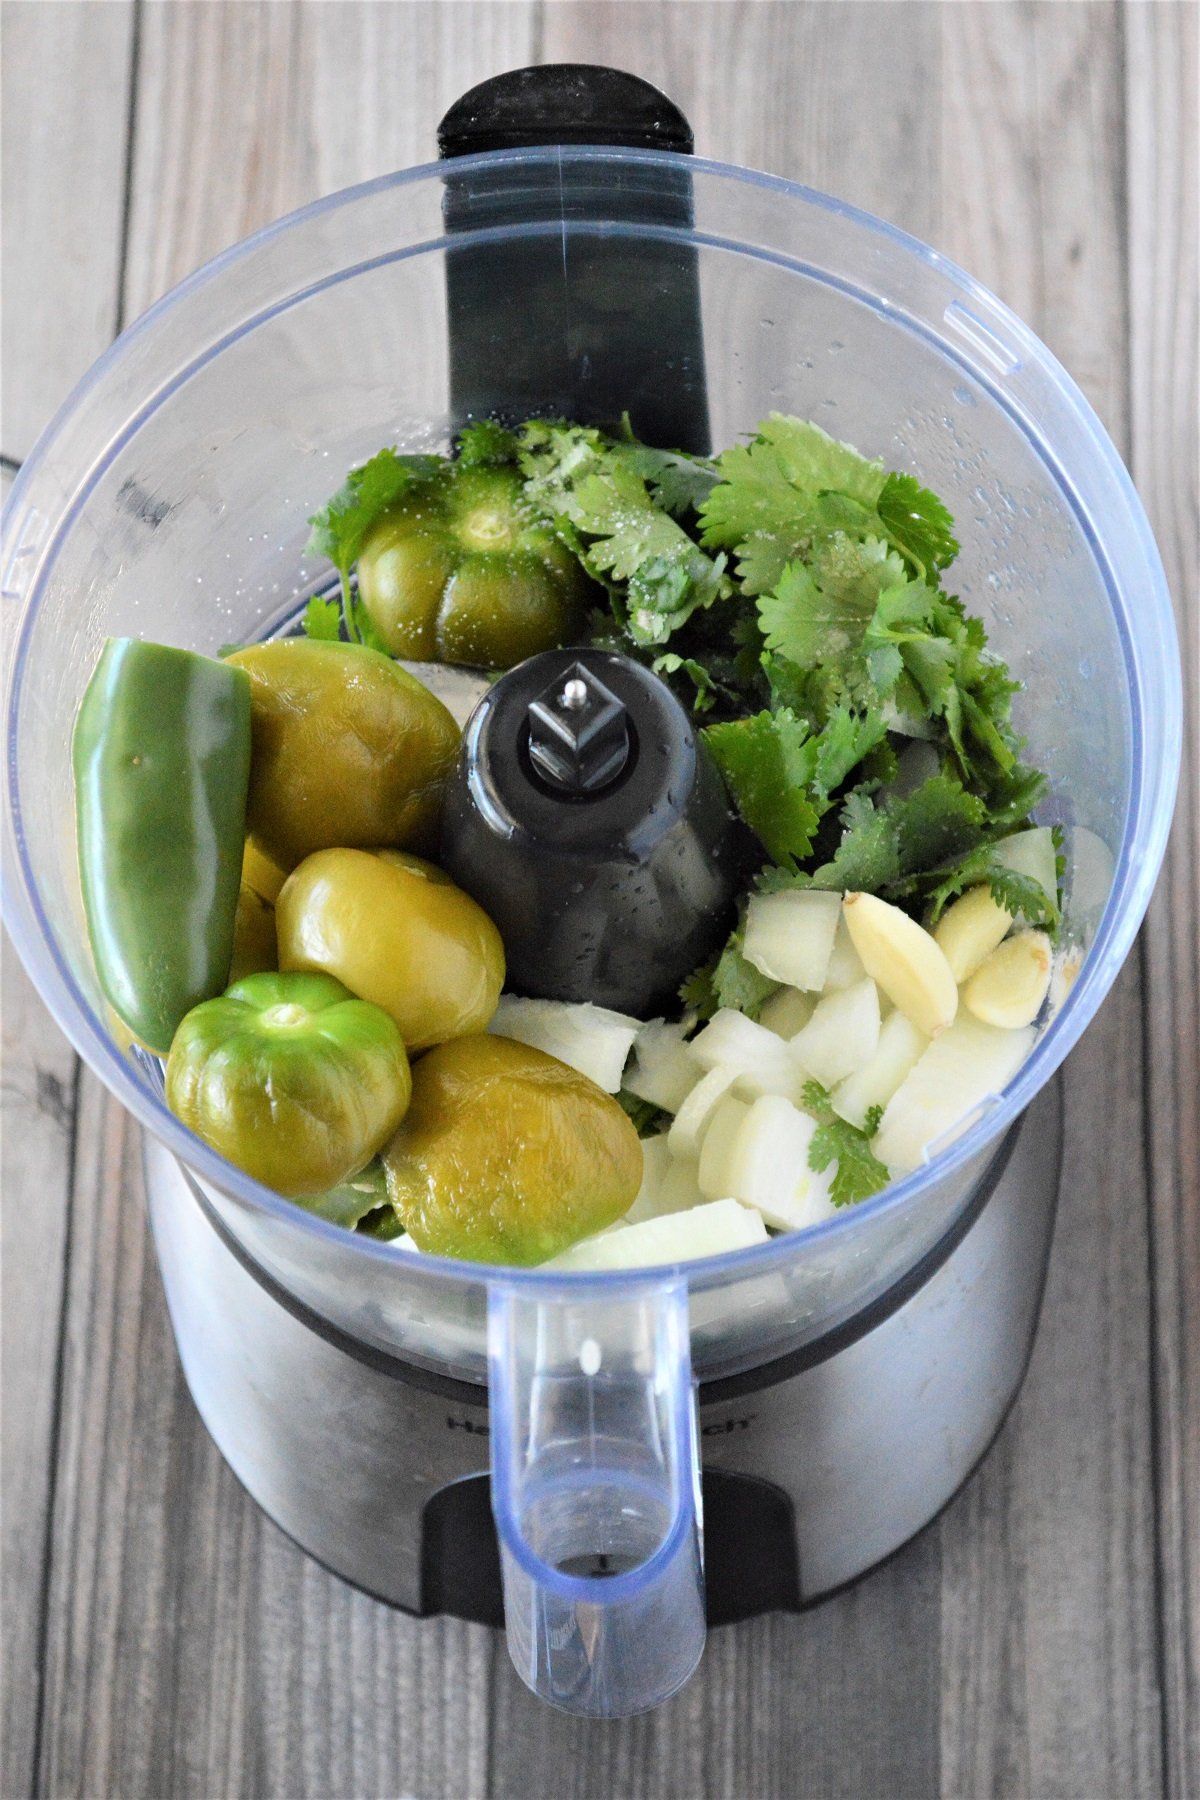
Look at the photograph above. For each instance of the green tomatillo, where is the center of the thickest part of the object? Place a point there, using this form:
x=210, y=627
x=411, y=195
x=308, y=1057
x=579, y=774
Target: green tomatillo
x=460, y=570
x=507, y=1155
x=290, y=1078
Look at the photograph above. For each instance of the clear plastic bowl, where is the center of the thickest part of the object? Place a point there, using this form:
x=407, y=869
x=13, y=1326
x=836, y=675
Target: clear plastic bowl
x=169, y=496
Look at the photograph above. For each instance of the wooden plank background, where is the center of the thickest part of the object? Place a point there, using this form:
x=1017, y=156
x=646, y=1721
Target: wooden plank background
x=1043, y=1637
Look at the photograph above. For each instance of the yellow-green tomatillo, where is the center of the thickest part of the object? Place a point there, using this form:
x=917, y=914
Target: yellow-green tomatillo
x=397, y=931
x=346, y=748
x=508, y=1156
x=460, y=571
x=291, y=1078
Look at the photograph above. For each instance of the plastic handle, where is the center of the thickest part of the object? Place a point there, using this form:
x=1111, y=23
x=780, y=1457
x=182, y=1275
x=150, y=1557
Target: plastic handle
x=596, y=1493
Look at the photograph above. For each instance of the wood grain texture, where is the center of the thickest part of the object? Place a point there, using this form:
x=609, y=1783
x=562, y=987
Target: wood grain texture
x=62, y=194
x=194, y=1650
x=1012, y=1650
x=70, y=252
x=1048, y=1615
x=1163, y=105
x=37, y=1117
x=247, y=109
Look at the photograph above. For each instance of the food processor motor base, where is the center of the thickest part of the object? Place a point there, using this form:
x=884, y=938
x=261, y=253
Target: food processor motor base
x=815, y=1466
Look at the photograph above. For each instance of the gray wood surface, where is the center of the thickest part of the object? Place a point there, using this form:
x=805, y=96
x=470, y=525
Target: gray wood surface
x=1041, y=1638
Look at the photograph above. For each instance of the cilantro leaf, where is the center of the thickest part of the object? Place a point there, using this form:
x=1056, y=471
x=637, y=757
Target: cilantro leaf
x=485, y=444
x=698, y=993
x=1018, y=894
x=678, y=482
x=707, y=689
x=657, y=575
x=917, y=523
x=342, y=524
x=322, y=619
x=938, y=820
x=782, y=494
x=859, y=1172
x=821, y=614
x=867, y=858
x=845, y=738
x=647, y=1118
x=768, y=761
x=736, y=982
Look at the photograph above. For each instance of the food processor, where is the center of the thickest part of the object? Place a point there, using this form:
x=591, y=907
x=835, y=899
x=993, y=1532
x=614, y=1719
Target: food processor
x=604, y=1463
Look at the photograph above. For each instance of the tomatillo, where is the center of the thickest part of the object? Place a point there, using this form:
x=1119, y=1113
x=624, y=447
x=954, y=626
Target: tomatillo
x=254, y=947
x=397, y=931
x=508, y=1156
x=348, y=748
x=460, y=570
x=291, y=1078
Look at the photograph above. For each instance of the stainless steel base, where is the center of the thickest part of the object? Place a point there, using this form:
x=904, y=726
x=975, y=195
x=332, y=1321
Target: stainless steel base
x=814, y=1470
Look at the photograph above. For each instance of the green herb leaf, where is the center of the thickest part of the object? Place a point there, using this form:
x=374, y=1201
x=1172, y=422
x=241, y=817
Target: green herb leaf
x=600, y=504
x=736, y=982
x=341, y=526
x=1018, y=894
x=768, y=762
x=485, y=444
x=783, y=493
x=844, y=740
x=917, y=523
x=322, y=619
x=648, y=1119
x=698, y=992
x=859, y=1172
x=707, y=689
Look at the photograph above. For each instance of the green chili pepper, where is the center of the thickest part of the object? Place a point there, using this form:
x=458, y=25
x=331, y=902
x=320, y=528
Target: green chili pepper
x=291, y=1078
x=161, y=756
x=460, y=571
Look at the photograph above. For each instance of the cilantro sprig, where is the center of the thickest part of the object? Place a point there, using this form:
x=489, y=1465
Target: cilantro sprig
x=859, y=1172
x=613, y=504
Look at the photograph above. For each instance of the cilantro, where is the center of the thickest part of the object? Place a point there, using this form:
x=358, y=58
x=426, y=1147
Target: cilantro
x=736, y=982
x=706, y=687
x=845, y=738
x=868, y=857
x=1018, y=894
x=821, y=614
x=484, y=444
x=768, y=761
x=656, y=574
x=648, y=1119
x=678, y=482
x=339, y=529
x=781, y=495
x=322, y=619
x=859, y=1171
x=917, y=523
x=891, y=845
x=698, y=993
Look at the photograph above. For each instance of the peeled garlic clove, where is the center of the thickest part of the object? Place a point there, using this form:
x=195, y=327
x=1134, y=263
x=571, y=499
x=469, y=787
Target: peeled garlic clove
x=910, y=968
x=1009, y=987
x=969, y=931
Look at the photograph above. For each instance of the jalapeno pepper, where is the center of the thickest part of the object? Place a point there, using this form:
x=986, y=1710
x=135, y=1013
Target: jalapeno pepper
x=161, y=757
x=291, y=1078
x=460, y=571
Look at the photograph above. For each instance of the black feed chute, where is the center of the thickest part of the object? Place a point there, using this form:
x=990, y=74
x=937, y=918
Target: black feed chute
x=586, y=816
x=570, y=319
